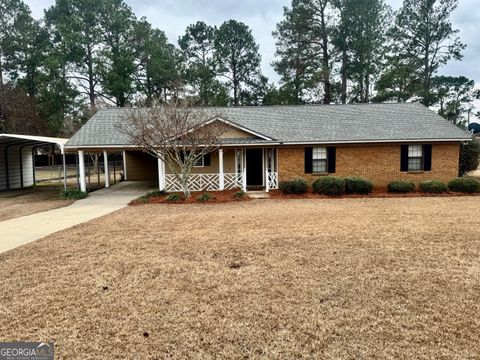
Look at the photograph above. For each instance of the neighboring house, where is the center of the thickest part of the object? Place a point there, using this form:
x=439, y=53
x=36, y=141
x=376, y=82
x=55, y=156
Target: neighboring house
x=265, y=145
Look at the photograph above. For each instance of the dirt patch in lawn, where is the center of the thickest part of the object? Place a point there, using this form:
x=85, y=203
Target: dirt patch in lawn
x=271, y=279
x=19, y=203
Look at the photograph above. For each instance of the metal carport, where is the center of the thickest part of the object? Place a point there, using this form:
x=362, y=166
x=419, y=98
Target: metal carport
x=17, y=168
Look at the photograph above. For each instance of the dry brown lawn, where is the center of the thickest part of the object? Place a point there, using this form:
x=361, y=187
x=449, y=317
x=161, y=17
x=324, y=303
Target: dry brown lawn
x=267, y=279
x=18, y=203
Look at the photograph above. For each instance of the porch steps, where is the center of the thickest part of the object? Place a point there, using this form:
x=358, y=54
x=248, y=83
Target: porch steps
x=258, y=195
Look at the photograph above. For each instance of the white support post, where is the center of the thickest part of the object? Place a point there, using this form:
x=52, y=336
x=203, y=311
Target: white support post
x=161, y=174
x=64, y=170
x=267, y=182
x=125, y=178
x=106, y=168
x=81, y=165
x=244, y=169
x=221, y=174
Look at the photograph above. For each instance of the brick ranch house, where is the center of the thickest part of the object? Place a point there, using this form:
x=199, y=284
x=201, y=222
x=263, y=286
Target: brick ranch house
x=266, y=145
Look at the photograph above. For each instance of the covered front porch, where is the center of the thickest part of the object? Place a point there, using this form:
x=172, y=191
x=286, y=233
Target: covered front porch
x=252, y=168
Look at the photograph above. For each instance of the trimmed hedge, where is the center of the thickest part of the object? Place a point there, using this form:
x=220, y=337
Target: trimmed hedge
x=465, y=185
x=433, y=187
x=401, y=187
x=296, y=186
x=329, y=185
x=357, y=185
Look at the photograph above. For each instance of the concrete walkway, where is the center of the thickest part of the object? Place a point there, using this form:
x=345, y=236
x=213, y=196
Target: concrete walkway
x=22, y=230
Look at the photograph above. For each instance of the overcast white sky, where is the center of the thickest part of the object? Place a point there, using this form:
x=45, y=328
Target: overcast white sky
x=173, y=16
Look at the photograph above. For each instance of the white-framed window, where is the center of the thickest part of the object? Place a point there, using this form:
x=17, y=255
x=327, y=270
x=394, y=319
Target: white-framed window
x=415, y=158
x=319, y=160
x=200, y=162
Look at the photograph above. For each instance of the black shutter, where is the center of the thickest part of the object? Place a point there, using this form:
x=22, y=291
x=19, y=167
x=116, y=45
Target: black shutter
x=427, y=157
x=332, y=159
x=207, y=160
x=308, y=160
x=404, y=158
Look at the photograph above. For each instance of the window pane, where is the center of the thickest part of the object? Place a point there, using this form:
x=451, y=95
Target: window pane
x=415, y=151
x=319, y=166
x=199, y=162
x=414, y=164
x=320, y=153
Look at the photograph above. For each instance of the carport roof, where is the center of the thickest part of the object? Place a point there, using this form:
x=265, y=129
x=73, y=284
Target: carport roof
x=7, y=139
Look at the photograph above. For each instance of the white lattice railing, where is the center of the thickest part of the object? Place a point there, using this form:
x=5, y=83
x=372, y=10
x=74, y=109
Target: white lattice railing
x=204, y=182
x=272, y=181
x=233, y=181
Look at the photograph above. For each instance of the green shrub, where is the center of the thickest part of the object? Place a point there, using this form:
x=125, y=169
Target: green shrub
x=465, y=185
x=145, y=198
x=173, y=198
x=433, y=187
x=240, y=195
x=72, y=194
x=329, y=185
x=357, y=185
x=205, y=198
x=401, y=187
x=296, y=186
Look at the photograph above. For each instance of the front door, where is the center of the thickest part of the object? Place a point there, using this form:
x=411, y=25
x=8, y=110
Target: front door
x=255, y=167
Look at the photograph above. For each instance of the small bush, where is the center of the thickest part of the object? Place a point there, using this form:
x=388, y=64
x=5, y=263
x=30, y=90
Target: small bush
x=356, y=185
x=433, y=187
x=173, y=198
x=240, y=195
x=296, y=186
x=145, y=198
x=465, y=185
x=72, y=194
x=329, y=185
x=205, y=198
x=401, y=187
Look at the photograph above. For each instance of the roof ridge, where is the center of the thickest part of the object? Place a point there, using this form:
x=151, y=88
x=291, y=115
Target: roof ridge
x=274, y=106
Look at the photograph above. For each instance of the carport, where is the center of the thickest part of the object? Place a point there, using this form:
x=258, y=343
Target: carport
x=17, y=166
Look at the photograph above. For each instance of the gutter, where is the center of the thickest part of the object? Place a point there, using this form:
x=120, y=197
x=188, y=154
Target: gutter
x=286, y=143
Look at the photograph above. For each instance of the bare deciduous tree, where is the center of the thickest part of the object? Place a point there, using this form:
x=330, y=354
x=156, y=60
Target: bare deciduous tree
x=179, y=134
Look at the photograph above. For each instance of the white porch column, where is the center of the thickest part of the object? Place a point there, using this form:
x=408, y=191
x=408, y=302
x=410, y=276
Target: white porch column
x=161, y=174
x=81, y=165
x=244, y=169
x=125, y=178
x=107, y=170
x=64, y=170
x=267, y=182
x=221, y=174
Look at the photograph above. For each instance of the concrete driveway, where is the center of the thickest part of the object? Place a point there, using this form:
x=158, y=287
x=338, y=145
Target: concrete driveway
x=22, y=230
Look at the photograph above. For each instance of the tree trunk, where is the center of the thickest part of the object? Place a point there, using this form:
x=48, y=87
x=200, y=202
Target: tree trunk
x=344, y=76
x=184, y=182
x=1, y=71
x=367, y=89
x=91, y=80
x=327, y=98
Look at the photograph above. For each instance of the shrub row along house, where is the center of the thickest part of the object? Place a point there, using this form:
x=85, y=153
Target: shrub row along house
x=264, y=145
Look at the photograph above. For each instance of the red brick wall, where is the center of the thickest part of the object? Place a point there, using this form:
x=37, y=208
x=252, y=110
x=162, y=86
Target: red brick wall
x=378, y=163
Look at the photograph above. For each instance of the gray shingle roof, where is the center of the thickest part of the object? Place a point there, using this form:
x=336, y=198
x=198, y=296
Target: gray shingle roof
x=302, y=124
